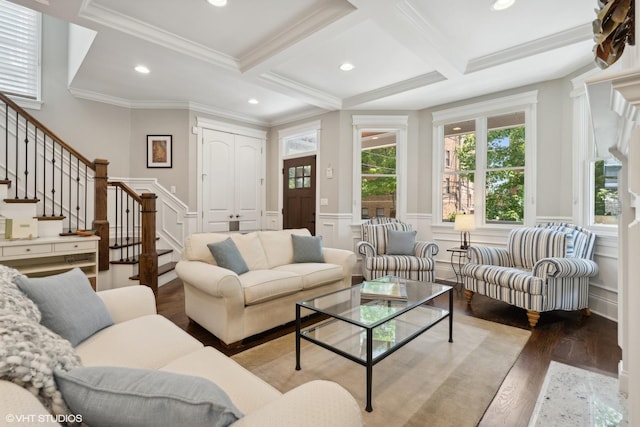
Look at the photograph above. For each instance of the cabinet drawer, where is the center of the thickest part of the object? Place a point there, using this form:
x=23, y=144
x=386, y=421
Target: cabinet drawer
x=26, y=250
x=74, y=246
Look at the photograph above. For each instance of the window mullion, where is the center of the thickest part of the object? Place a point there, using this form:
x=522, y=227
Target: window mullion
x=481, y=170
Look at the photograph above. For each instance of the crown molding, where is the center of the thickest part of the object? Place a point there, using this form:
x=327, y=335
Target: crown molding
x=544, y=44
x=393, y=89
x=294, y=117
x=206, y=109
x=118, y=21
x=99, y=97
x=303, y=92
x=164, y=105
x=204, y=122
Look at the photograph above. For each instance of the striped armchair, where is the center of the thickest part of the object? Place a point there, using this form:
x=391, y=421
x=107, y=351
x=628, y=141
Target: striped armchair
x=381, y=256
x=543, y=268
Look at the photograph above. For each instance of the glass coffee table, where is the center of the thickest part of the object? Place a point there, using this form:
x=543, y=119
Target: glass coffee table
x=367, y=322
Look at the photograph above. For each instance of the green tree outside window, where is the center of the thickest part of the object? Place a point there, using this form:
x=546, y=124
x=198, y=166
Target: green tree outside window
x=504, y=177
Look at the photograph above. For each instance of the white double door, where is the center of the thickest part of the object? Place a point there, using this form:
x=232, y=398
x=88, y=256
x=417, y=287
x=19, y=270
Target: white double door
x=232, y=181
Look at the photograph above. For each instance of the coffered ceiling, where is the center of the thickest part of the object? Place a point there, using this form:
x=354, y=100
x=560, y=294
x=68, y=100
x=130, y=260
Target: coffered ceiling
x=408, y=54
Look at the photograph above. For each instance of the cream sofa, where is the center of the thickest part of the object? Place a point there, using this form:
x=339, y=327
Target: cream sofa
x=139, y=338
x=234, y=307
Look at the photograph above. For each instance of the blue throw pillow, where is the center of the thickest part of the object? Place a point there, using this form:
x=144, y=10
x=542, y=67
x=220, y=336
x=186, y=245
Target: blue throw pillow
x=401, y=242
x=307, y=248
x=116, y=396
x=228, y=256
x=68, y=304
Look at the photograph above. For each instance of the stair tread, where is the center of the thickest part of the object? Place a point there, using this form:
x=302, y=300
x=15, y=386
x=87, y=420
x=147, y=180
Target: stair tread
x=135, y=260
x=14, y=200
x=162, y=269
x=113, y=243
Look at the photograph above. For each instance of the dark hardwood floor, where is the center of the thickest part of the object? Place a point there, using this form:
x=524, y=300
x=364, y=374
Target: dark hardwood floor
x=567, y=337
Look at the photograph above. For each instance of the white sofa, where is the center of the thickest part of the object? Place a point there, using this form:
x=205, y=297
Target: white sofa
x=234, y=307
x=139, y=338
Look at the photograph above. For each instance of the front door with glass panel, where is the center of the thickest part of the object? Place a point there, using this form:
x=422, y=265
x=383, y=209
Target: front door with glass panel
x=299, y=197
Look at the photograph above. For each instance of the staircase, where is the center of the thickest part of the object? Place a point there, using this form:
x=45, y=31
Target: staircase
x=43, y=177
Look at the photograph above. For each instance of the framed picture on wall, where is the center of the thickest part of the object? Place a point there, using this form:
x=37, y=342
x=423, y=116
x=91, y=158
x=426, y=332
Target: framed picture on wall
x=159, y=151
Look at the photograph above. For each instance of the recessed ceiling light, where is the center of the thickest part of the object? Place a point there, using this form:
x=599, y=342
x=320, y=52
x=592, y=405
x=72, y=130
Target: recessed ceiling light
x=457, y=128
x=347, y=67
x=217, y=3
x=141, y=69
x=502, y=4
x=253, y=101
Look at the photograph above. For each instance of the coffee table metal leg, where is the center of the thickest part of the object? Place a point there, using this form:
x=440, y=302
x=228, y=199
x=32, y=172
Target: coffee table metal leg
x=369, y=408
x=297, y=337
x=450, y=315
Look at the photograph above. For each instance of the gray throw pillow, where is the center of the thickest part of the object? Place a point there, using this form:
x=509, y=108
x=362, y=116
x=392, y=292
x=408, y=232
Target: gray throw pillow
x=116, y=396
x=228, y=256
x=307, y=248
x=68, y=304
x=401, y=242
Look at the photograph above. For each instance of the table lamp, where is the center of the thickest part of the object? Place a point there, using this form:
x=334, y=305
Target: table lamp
x=464, y=224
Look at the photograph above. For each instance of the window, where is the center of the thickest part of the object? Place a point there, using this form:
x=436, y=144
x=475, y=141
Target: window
x=604, y=187
x=379, y=186
x=304, y=143
x=378, y=167
x=299, y=177
x=19, y=51
x=484, y=153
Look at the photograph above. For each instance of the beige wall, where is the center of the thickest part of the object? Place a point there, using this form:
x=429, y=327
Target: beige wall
x=162, y=122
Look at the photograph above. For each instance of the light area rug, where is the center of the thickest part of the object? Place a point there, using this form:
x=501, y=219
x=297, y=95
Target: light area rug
x=573, y=396
x=427, y=382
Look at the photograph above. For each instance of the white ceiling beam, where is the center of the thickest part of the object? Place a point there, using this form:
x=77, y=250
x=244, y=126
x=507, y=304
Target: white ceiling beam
x=301, y=92
x=274, y=50
x=402, y=20
x=393, y=89
x=554, y=41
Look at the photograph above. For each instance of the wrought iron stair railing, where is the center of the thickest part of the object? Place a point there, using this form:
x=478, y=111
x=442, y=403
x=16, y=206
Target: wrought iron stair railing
x=39, y=167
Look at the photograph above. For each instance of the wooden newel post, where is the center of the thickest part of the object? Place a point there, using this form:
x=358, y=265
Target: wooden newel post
x=100, y=222
x=148, y=256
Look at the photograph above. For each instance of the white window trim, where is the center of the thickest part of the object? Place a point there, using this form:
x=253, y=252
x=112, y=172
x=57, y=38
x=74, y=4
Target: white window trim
x=526, y=102
x=391, y=123
x=305, y=128
x=583, y=147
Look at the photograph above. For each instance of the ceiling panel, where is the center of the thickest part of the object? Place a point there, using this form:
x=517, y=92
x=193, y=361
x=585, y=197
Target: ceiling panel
x=173, y=77
x=547, y=66
x=476, y=30
x=233, y=29
x=379, y=60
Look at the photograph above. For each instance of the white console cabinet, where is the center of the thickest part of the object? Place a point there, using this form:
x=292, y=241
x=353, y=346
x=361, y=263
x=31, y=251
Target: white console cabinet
x=46, y=256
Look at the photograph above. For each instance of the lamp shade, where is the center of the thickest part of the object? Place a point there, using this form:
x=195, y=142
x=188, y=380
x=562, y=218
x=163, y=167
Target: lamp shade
x=465, y=222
